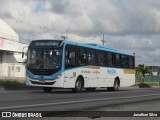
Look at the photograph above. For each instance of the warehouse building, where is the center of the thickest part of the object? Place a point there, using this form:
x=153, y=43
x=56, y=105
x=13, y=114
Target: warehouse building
x=11, y=61
x=155, y=70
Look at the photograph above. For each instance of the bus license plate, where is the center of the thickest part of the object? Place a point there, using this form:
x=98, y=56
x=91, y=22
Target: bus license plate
x=41, y=81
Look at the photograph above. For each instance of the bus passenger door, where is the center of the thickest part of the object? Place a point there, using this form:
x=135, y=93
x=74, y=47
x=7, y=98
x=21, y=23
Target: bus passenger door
x=70, y=63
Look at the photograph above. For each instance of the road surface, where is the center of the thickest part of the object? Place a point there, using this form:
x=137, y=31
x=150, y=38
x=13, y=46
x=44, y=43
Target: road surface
x=65, y=100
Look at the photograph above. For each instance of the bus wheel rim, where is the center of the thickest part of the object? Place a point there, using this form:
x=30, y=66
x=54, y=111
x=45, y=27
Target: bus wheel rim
x=78, y=85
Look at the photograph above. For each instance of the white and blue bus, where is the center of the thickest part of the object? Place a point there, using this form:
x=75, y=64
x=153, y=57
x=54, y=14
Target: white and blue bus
x=66, y=64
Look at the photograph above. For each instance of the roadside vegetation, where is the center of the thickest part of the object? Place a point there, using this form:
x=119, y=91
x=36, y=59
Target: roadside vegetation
x=147, y=84
x=143, y=71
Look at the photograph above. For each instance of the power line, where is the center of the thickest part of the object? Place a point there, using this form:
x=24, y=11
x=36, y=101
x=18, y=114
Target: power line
x=20, y=21
x=42, y=28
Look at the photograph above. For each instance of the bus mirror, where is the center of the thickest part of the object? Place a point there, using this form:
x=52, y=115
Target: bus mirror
x=24, y=51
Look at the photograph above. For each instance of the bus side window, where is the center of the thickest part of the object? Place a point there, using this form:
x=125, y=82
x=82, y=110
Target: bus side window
x=100, y=58
x=131, y=62
x=114, y=60
x=66, y=57
x=91, y=57
x=82, y=56
x=118, y=60
x=70, y=58
x=109, y=59
x=124, y=61
x=127, y=62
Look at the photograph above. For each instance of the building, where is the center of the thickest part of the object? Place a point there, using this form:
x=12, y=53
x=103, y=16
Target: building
x=11, y=61
x=155, y=70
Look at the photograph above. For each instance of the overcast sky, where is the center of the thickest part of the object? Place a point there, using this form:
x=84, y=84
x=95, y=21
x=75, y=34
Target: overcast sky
x=130, y=25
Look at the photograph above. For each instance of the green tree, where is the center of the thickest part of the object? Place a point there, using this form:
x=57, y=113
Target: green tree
x=143, y=70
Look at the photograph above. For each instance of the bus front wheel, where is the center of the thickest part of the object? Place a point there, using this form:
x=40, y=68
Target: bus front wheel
x=47, y=89
x=78, y=85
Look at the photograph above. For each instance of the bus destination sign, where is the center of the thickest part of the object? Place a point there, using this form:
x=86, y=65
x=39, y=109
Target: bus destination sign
x=46, y=43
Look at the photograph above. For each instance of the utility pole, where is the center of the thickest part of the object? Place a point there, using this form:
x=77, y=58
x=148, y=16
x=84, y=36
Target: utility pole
x=103, y=40
x=64, y=37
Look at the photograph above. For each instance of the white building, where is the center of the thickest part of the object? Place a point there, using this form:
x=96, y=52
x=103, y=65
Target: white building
x=11, y=66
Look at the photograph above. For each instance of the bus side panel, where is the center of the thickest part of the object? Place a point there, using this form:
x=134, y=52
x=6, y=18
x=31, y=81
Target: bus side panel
x=126, y=76
x=98, y=77
x=69, y=79
x=128, y=80
x=93, y=77
x=106, y=77
x=103, y=78
x=71, y=76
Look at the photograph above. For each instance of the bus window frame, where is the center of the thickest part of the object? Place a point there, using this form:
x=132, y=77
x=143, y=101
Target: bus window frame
x=91, y=50
x=71, y=48
x=97, y=54
x=78, y=56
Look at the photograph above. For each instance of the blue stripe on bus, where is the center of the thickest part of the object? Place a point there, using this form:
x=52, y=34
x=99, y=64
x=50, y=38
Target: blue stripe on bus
x=53, y=76
x=43, y=77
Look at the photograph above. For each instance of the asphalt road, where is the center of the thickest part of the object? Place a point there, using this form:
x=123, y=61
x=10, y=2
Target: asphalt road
x=65, y=100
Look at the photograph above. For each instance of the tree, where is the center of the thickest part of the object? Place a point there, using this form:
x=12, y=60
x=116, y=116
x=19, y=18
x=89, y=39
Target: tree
x=143, y=70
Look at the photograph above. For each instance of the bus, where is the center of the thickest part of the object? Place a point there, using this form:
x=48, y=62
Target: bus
x=66, y=64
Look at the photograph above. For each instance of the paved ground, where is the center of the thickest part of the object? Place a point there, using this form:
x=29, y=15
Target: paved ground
x=142, y=106
x=127, y=99
x=64, y=100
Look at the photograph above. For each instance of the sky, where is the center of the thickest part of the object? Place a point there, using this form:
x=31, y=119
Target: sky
x=129, y=25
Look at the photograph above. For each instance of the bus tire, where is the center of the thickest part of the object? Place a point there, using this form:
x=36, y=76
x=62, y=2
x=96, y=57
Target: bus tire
x=78, y=85
x=115, y=85
x=90, y=89
x=47, y=89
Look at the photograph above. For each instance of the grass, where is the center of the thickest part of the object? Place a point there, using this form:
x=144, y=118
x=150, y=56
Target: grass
x=147, y=84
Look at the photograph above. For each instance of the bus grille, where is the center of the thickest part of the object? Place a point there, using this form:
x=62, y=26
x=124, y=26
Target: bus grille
x=40, y=83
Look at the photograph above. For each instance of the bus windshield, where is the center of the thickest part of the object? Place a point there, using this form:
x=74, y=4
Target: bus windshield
x=44, y=58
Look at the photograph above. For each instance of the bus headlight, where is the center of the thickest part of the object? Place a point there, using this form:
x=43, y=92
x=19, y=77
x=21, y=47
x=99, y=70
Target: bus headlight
x=59, y=76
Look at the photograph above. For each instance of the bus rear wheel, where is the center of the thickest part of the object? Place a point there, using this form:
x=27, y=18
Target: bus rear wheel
x=47, y=89
x=78, y=85
x=115, y=86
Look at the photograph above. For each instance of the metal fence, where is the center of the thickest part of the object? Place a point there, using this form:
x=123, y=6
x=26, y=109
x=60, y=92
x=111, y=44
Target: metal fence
x=148, y=78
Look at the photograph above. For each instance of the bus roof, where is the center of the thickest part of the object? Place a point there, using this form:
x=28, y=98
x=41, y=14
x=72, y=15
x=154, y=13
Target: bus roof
x=100, y=47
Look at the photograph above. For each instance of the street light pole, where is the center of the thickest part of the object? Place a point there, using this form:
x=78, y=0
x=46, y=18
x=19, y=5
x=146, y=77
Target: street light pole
x=64, y=37
x=103, y=41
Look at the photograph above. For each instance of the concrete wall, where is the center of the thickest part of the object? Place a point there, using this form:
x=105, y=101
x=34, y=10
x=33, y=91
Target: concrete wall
x=0, y=57
x=8, y=57
x=12, y=71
